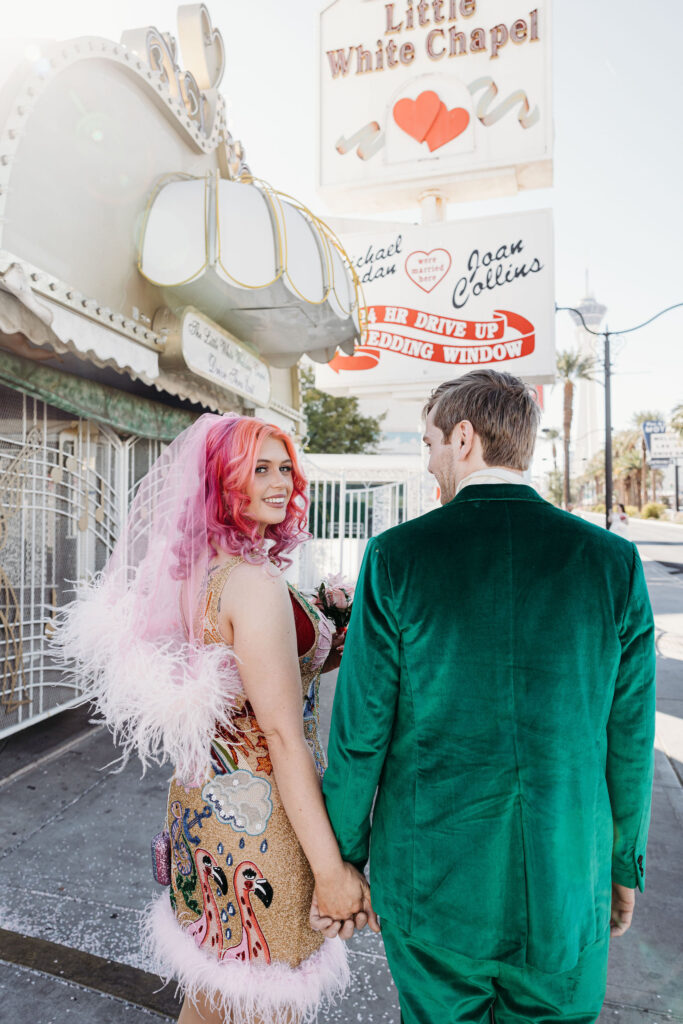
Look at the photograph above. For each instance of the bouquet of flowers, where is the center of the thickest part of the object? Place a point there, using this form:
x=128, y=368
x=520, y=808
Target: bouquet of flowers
x=334, y=597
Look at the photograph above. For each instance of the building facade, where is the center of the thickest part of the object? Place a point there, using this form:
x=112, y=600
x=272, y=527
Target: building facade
x=145, y=278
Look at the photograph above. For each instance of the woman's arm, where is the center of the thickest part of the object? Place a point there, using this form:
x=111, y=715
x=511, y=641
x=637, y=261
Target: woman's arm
x=256, y=609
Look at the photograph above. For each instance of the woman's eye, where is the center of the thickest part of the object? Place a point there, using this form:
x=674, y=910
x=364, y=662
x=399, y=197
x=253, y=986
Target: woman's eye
x=286, y=469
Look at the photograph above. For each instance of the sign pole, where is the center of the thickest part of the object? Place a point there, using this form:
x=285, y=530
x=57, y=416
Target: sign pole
x=432, y=205
x=608, y=432
x=676, y=485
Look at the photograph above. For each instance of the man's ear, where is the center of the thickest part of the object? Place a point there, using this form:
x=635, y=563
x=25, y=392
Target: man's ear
x=463, y=439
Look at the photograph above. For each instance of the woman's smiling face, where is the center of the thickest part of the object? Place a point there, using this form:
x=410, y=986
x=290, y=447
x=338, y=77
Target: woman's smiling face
x=271, y=487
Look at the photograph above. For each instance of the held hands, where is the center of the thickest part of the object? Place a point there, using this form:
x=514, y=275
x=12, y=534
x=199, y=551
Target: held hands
x=341, y=904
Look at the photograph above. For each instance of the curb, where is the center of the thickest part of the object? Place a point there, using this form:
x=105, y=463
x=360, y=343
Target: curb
x=130, y=984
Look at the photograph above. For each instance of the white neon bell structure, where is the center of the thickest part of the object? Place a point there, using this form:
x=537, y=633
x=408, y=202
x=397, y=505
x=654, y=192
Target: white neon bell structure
x=257, y=263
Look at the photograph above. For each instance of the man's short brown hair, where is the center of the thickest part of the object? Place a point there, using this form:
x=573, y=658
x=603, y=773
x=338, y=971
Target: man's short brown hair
x=502, y=409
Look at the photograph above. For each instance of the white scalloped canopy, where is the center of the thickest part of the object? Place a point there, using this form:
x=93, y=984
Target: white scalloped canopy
x=256, y=263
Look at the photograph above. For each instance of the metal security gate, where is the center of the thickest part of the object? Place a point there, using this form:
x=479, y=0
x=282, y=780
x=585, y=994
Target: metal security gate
x=344, y=514
x=65, y=485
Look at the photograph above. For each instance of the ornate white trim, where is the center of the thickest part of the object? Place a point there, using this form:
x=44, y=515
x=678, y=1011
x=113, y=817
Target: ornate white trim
x=53, y=288
x=63, y=327
x=196, y=109
x=286, y=410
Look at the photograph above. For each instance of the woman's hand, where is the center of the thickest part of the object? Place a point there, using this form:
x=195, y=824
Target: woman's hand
x=341, y=894
x=344, y=928
x=330, y=928
x=333, y=659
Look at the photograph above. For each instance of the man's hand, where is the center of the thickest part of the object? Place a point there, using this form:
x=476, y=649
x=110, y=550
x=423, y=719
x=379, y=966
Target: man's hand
x=623, y=903
x=367, y=915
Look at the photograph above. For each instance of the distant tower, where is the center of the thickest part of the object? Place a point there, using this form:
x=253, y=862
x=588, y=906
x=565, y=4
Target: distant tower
x=588, y=427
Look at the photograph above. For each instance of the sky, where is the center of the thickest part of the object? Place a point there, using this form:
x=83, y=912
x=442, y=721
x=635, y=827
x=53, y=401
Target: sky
x=618, y=153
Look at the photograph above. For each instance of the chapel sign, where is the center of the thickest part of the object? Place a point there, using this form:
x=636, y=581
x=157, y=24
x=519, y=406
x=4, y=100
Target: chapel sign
x=204, y=348
x=442, y=299
x=452, y=95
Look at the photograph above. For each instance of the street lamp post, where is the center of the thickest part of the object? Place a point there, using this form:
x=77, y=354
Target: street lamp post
x=608, y=431
x=606, y=335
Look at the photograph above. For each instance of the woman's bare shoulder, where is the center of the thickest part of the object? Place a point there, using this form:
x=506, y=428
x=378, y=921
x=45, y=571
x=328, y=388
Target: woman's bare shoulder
x=254, y=582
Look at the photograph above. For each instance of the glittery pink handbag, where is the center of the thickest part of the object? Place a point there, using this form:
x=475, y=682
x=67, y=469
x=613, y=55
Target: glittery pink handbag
x=161, y=858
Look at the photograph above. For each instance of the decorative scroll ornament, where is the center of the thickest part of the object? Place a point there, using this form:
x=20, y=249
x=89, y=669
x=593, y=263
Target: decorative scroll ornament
x=231, y=159
x=201, y=45
x=12, y=483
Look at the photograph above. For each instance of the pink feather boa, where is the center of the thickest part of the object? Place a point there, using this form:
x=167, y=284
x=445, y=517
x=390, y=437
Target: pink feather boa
x=160, y=701
x=243, y=992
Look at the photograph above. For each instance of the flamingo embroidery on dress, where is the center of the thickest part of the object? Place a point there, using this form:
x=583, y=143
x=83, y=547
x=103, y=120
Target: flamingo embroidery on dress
x=253, y=946
x=206, y=930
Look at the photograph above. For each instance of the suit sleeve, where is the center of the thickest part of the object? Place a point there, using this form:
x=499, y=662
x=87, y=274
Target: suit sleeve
x=630, y=735
x=364, y=709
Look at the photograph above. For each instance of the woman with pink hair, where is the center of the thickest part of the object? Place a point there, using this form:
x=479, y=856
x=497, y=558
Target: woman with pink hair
x=196, y=651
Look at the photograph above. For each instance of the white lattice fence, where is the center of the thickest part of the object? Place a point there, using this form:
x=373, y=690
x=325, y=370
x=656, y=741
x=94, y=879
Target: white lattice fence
x=65, y=484
x=344, y=515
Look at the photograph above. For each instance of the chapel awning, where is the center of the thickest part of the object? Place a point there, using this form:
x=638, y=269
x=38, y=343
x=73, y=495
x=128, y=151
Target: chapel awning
x=257, y=263
x=55, y=326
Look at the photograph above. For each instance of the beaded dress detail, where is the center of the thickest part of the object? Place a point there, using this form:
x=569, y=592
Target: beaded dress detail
x=236, y=926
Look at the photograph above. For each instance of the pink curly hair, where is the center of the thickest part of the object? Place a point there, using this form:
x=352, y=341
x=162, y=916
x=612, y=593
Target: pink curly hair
x=232, y=450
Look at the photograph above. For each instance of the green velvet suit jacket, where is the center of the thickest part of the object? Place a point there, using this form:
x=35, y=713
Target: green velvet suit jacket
x=497, y=694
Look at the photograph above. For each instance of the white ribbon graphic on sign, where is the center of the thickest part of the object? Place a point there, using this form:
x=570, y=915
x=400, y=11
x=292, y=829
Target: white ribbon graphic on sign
x=526, y=117
x=368, y=139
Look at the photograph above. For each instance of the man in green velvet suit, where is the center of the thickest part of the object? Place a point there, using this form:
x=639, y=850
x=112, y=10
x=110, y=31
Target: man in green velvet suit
x=496, y=695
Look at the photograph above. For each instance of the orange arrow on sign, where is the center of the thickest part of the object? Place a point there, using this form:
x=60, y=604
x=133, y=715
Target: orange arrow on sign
x=366, y=361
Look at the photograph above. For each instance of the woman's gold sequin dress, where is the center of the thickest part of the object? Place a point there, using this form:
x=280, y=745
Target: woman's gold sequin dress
x=236, y=927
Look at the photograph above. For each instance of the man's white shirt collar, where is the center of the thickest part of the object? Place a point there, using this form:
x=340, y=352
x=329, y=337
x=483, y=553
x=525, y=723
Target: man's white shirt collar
x=492, y=475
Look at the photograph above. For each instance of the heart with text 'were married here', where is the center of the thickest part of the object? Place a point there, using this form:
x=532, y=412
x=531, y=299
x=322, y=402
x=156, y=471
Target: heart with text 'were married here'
x=427, y=269
x=427, y=119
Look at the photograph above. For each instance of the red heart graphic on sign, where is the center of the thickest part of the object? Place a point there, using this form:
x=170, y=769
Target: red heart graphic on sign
x=427, y=269
x=416, y=117
x=447, y=126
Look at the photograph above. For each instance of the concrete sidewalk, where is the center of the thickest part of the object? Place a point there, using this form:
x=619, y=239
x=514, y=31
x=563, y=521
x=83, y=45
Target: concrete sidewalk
x=76, y=870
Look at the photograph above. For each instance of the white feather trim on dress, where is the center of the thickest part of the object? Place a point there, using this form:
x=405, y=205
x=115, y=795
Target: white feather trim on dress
x=243, y=992
x=161, y=700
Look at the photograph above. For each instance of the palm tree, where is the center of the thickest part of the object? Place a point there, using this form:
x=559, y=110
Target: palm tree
x=677, y=418
x=552, y=434
x=637, y=420
x=627, y=465
x=554, y=480
x=594, y=472
x=571, y=367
